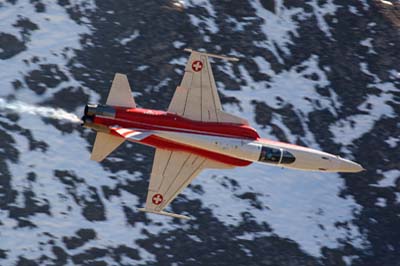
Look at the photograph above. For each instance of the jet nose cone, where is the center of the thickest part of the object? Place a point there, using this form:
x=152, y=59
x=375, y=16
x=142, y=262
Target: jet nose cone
x=348, y=166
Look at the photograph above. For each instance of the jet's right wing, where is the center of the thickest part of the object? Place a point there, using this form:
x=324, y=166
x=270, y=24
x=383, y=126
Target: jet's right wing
x=172, y=172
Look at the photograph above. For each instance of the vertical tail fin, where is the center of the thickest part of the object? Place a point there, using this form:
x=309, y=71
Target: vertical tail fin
x=120, y=93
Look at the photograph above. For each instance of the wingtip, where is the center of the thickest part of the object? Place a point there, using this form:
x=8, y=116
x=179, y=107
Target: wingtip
x=234, y=59
x=174, y=215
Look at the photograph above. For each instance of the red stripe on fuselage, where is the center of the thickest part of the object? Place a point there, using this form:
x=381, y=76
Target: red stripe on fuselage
x=158, y=120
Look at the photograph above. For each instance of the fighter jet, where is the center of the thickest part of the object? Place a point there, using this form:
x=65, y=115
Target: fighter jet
x=192, y=135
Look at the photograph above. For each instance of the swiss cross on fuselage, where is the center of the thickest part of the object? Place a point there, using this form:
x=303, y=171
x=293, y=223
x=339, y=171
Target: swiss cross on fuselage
x=157, y=199
x=197, y=66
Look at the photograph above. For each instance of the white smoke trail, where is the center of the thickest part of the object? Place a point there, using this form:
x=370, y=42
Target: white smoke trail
x=21, y=107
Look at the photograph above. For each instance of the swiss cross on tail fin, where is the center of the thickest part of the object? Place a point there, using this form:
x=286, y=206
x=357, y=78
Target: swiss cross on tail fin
x=197, y=97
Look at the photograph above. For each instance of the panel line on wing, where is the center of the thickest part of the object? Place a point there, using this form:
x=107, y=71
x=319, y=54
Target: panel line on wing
x=160, y=207
x=176, y=177
x=212, y=89
x=178, y=173
x=184, y=184
x=187, y=94
x=163, y=172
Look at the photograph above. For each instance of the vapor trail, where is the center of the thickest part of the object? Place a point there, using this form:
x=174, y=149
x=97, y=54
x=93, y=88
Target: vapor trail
x=21, y=107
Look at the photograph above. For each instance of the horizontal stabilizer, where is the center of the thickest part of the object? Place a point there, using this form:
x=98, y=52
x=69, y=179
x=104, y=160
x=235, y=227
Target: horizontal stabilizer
x=104, y=145
x=179, y=216
x=213, y=55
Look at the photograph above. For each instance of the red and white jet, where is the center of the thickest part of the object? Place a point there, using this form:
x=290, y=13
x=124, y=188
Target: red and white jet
x=194, y=134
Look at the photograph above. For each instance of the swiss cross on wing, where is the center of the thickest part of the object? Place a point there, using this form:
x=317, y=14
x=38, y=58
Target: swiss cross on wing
x=157, y=199
x=197, y=66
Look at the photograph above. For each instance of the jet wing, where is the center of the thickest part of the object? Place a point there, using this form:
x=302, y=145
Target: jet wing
x=197, y=97
x=172, y=172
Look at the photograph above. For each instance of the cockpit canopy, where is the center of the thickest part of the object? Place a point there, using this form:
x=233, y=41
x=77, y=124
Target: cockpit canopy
x=275, y=156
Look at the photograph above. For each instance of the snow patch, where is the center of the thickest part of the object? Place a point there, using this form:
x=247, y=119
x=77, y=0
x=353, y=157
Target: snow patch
x=390, y=178
x=375, y=107
x=364, y=69
x=209, y=21
x=348, y=129
x=53, y=25
x=321, y=11
x=288, y=199
x=278, y=27
x=134, y=36
x=368, y=43
x=392, y=142
x=381, y=202
x=178, y=44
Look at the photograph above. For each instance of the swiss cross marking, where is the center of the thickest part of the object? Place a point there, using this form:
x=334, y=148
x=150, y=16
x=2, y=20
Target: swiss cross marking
x=157, y=199
x=197, y=66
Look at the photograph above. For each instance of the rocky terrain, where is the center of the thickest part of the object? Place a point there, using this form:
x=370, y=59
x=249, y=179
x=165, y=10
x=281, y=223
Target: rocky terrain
x=320, y=73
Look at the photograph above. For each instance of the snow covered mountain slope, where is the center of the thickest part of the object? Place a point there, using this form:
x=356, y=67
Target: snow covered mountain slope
x=324, y=74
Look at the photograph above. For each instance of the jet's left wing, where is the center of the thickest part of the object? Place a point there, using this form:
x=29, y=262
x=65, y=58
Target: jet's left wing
x=197, y=96
x=172, y=172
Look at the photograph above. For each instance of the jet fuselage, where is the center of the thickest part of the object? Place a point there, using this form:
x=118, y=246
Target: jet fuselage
x=233, y=144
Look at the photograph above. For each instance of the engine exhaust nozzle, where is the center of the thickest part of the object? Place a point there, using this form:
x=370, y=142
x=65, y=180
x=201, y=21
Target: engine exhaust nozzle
x=90, y=109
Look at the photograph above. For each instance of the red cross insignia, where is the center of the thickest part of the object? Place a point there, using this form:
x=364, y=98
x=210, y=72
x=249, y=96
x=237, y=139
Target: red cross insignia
x=197, y=66
x=157, y=199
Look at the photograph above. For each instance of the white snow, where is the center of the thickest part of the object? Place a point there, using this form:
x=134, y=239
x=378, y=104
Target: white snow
x=349, y=259
x=354, y=10
x=278, y=27
x=368, y=43
x=54, y=25
x=321, y=11
x=178, y=44
x=348, y=129
x=134, y=36
x=65, y=151
x=381, y=202
x=295, y=204
x=390, y=178
x=393, y=142
x=364, y=68
x=62, y=155
x=365, y=4
x=209, y=21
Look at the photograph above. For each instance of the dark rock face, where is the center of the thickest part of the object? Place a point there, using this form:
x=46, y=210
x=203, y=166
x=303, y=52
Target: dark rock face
x=27, y=26
x=92, y=206
x=10, y=45
x=355, y=49
x=48, y=76
x=83, y=236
